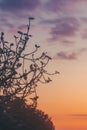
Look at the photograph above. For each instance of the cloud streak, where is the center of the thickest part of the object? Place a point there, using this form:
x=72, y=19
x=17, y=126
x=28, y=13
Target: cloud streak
x=63, y=6
x=56, y=5
x=64, y=28
x=65, y=55
x=79, y=115
x=84, y=34
x=16, y=5
x=13, y=13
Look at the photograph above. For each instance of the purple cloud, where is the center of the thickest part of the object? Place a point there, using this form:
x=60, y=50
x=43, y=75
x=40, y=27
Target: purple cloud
x=84, y=19
x=57, y=5
x=14, y=12
x=84, y=34
x=64, y=28
x=66, y=56
x=62, y=6
x=15, y=5
x=21, y=27
x=5, y=24
x=63, y=55
x=68, y=42
x=82, y=50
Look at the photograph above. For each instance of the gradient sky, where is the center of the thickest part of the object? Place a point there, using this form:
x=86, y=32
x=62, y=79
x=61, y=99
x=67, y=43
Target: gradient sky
x=60, y=28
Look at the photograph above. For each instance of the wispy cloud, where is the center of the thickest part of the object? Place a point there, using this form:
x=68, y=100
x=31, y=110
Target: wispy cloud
x=63, y=6
x=10, y=5
x=78, y=115
x=56, y=5
x=84, y=33
x=68, y=42
x=84, y=19
x=65, y=55
x=14, y=12
x=64, y=28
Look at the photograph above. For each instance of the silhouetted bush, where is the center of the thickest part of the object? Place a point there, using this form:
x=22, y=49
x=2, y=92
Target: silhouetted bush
x=17, y=115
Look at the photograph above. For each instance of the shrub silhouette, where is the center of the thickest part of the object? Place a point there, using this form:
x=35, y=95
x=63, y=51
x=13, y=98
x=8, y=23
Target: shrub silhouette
x=17, y=115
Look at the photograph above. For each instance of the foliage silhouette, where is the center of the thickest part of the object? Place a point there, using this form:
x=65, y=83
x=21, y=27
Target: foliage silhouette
x=17, y=80
x=17, y=115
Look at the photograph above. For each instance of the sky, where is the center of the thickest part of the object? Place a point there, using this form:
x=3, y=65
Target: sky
x=60, y=28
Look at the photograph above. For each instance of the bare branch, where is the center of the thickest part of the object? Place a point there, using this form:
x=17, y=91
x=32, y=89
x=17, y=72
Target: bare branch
x=15, y=78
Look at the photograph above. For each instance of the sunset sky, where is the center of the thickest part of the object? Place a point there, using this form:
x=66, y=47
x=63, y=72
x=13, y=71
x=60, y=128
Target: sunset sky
x=60, y=28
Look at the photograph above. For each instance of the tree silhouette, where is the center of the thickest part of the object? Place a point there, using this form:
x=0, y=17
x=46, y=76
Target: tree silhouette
x=15, y=79
x=18, y=82
x=17, y=115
